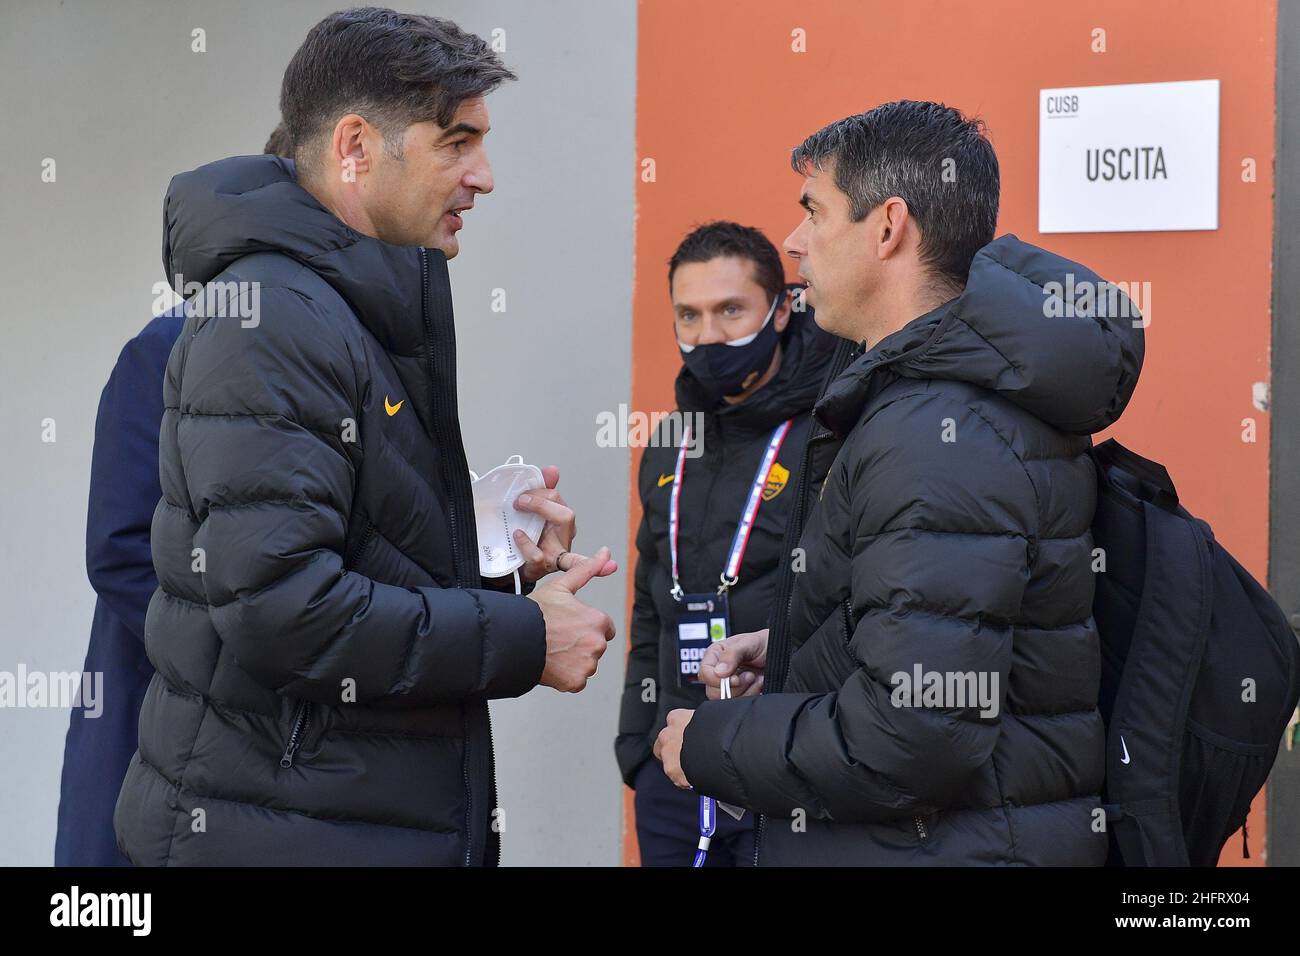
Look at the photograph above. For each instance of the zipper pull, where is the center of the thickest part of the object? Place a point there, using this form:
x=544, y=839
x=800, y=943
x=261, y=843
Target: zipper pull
x=295, y=735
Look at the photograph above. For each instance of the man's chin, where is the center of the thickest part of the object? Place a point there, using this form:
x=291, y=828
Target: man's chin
x=448, y=245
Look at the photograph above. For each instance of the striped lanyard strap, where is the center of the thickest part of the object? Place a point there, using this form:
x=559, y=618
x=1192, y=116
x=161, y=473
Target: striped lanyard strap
x=731, y=573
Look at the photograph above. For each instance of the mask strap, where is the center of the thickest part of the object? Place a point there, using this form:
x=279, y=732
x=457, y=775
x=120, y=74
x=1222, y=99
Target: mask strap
x=745, y=340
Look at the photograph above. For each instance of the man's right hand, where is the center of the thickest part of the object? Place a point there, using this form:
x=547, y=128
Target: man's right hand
x=576, y=635
x=742, y=657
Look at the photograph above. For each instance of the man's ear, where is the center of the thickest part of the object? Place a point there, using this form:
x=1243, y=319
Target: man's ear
x=782, y=316
x=350, y=149
x=894, y=219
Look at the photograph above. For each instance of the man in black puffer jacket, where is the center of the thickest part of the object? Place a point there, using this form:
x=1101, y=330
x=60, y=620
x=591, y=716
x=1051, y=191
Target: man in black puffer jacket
x=933, y=666
x=738, y=398
x=325, y=647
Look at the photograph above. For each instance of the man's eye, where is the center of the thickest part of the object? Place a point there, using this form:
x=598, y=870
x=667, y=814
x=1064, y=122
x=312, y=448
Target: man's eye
x=687, y=316
x=732, y=310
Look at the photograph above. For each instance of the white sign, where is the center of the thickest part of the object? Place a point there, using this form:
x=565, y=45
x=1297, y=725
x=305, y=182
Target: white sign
x=1141, y=157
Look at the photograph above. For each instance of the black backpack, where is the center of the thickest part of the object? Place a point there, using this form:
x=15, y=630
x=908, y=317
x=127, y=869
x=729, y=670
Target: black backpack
x=1200, y=672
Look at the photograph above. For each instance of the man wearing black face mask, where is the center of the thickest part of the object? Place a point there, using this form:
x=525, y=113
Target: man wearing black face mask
x=753, y=362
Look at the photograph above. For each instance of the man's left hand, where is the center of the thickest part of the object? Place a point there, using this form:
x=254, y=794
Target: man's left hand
x=668, y=746
x=542, y=556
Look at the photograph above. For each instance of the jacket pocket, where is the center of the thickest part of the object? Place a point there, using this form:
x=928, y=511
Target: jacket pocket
x=297, y=730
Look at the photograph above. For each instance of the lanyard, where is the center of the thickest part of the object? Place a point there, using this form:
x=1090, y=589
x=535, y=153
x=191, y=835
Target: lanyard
x=709, y=806
x=731, y=572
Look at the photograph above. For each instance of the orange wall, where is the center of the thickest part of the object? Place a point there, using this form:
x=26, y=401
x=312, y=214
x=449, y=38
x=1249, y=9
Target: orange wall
x=721, y=99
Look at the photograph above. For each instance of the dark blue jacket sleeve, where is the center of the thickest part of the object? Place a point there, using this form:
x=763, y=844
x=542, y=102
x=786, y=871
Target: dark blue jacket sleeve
x=124, y=486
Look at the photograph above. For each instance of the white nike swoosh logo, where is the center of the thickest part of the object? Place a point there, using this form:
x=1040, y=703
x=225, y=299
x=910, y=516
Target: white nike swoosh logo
x=1125, y=758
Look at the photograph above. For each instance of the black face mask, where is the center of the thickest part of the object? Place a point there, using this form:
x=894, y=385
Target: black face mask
x=728, y=368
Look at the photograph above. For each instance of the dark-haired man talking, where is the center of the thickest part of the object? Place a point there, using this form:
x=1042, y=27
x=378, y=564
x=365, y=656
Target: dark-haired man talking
x=933, y=666
x=324, y=642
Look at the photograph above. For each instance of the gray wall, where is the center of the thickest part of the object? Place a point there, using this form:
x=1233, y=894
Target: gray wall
x=114, y=94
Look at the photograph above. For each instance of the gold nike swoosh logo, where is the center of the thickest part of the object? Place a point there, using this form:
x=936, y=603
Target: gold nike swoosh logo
x=392, y=409
x=664, y=479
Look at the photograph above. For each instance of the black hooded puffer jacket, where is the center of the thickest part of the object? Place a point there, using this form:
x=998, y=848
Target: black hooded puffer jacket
x=324, y=651
x=947, y=532
x=715, y=487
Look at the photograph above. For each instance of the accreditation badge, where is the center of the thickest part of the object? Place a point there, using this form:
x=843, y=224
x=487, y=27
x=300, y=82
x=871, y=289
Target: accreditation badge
x=701, y=620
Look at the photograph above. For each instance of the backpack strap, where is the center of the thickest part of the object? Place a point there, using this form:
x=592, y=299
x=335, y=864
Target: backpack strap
x=1145, y=735
x=1152, y=480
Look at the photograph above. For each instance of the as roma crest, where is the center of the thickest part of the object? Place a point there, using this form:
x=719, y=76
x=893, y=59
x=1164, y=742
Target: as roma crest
x=776, y=479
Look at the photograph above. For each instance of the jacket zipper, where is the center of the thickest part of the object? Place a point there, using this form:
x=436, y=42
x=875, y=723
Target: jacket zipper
x=300, y=717
x=361, y=545
x=780, y=660
x=456, y=480
x=921, y=830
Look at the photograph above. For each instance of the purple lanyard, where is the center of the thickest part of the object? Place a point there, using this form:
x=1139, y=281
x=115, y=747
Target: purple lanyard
x=709, y=806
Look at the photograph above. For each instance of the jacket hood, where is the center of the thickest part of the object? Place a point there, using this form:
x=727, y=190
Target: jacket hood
x=1023, y=327
x=805, y=354
x=221, y=212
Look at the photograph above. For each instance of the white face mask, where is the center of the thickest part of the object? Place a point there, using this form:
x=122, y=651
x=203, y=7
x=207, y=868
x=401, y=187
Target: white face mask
x=497, y=520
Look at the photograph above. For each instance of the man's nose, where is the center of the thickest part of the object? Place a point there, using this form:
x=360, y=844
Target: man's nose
x=479, y=178
x=793, y=244
x=711, y=331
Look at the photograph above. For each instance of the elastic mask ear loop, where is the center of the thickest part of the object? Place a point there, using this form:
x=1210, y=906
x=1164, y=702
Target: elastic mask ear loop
x=518, y=585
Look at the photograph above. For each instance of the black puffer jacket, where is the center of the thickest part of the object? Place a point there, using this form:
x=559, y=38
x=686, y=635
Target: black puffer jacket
x=950, y=533
x=324, y=652
x=714, y=490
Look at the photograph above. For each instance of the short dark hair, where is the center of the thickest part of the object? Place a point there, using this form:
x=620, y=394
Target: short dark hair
x=900, y=149
x=393, y=68
x=714, y=240
x=278, y=143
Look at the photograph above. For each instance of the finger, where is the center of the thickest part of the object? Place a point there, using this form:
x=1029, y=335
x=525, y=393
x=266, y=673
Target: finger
x=709, y=663
x=580, y=572
x=553, y=511
x=735, y=651
x=609, y=568
x=528, y=548
x=550, y=494
x=659, y=746
x=755, y=688
x=551, y=475
x=574, y=559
